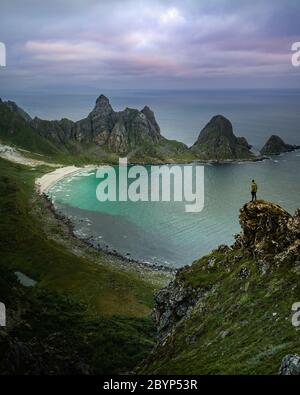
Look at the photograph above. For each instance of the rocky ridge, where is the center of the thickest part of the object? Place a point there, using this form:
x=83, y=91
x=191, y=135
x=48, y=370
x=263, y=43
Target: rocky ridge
x=107, y=134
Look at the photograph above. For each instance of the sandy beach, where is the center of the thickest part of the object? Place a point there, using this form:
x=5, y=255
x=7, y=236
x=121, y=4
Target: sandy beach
x=48, y=180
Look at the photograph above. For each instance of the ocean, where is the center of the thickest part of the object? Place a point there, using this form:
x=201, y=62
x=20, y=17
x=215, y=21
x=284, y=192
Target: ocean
x=255, y=114
x=160, y=232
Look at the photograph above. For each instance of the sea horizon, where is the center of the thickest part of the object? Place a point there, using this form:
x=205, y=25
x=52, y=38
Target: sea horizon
x=255, y=113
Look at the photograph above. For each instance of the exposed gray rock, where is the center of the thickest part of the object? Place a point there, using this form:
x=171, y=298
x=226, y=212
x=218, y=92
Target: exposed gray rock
x=59, y=132
x=269, y=234
x=119, y=132
x=154, y=127
x=243, y=273
x=172, y=304
x=224, y=334
x=290, y=365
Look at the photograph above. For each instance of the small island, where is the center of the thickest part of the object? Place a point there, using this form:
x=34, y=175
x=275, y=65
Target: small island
x=276, y=146
x=217, y=142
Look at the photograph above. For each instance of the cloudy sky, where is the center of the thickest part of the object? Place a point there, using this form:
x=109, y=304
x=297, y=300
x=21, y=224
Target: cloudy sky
x=82, y=45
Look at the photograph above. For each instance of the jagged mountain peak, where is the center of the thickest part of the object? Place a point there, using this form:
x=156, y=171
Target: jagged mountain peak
x=102, y=106
x=147, y=109
x=220, y=118
x=218, y=125
x=102, y=99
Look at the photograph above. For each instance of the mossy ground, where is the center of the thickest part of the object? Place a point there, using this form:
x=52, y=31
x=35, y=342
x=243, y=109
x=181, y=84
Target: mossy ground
x=113, y=299
x=242, y=326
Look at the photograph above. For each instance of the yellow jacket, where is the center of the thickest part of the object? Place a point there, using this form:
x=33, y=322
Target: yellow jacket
x=254, y=187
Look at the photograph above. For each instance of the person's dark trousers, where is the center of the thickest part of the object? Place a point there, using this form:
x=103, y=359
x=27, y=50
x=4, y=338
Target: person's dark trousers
x=253, y=196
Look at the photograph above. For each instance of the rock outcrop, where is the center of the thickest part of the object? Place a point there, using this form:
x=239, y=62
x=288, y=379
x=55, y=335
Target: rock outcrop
x=173, y=303
x=269, y=233
x=217, y=142
x=58, y=132
x=275, y=146
x=290, y=365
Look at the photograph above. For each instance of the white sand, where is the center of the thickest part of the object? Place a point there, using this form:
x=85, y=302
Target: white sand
x=48, y=180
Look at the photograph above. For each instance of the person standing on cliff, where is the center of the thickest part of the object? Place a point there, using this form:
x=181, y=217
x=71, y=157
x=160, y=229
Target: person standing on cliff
x=253, y=190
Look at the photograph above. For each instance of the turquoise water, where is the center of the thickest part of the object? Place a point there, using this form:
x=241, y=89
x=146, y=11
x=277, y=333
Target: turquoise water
x=162, y=232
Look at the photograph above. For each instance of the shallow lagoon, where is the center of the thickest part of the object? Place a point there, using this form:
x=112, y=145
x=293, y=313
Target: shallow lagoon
x=163, y=232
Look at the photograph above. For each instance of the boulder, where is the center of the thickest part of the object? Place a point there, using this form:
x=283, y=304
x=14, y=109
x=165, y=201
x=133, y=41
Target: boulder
x=290, y=365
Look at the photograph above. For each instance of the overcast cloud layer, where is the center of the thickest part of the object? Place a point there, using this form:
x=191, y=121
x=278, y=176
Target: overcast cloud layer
x=77, y=45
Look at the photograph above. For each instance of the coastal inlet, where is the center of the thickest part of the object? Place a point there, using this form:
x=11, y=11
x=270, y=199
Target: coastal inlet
x=163, y=233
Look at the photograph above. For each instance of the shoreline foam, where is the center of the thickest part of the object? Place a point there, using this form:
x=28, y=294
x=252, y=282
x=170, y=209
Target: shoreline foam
x=46, y=181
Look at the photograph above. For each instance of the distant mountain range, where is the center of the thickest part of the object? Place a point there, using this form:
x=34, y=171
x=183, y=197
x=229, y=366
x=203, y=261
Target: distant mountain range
x=105, y=134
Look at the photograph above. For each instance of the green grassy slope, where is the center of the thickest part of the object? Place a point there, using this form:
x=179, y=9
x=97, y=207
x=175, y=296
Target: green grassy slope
x=241, y=326
x=49, y=333
x=112, y=300
x=163, y=152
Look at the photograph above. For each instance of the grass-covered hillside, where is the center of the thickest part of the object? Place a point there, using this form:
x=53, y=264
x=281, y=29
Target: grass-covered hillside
x=230, y=312
x=88, y=312
x=14, y=129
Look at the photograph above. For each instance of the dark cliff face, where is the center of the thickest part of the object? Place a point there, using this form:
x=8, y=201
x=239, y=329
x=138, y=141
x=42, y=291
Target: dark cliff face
x=118, y=131
x=57, y=131
x=218, y=142
x=229, y=312
x=275, y=146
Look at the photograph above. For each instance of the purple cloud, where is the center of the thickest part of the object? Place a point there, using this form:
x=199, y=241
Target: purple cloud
x=133, y=43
